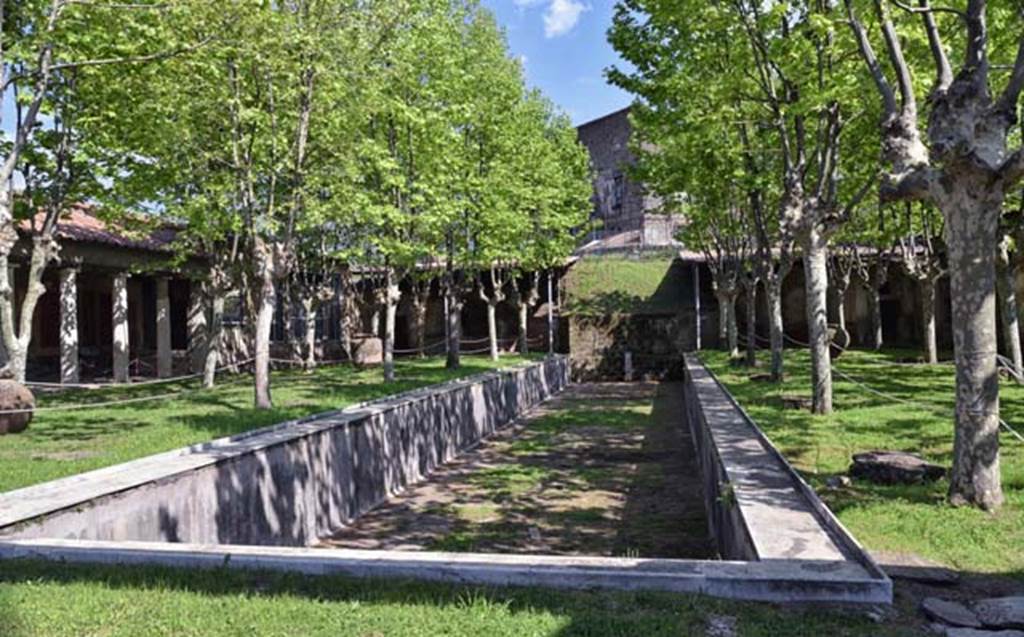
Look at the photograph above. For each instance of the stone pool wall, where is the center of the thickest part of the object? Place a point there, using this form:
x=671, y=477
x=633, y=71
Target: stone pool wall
x=285, y=485
x=759, y=508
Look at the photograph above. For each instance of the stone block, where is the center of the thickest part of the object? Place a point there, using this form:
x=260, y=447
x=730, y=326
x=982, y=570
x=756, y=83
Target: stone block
x=15, y=397
x=894, y=467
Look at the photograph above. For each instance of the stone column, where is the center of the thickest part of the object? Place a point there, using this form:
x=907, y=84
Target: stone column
x=69, y=367
x=197, y=330
x=163, y=329
x=119, y=319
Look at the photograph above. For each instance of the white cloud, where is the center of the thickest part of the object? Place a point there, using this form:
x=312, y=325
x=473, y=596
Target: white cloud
x=561, y=16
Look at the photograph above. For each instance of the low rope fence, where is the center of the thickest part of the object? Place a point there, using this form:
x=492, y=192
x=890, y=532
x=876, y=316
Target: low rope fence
x=938, y=410
x=235, y=368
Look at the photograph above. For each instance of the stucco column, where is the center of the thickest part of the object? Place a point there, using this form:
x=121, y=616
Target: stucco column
x=163, y=329
x=197, y=327
x=69, y=367
x=119, y=321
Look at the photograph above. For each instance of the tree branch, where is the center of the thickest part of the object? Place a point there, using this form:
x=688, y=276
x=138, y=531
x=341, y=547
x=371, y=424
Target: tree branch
x=868, y=53
x=1012, y=170
x=1008, y=100
x=943, y=71
x=898, y=61
x=926, y=9
x=976, y=58
x=163, y=55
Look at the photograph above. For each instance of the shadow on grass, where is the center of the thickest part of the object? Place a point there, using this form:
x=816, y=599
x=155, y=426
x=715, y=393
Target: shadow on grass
x=583, y=613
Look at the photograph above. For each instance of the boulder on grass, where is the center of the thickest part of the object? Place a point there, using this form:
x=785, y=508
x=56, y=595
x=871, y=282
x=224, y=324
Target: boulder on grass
x=1001, y=612
x=949, y=612
x=15, y=397
x=796, y=402
x=894, y=467
x=367, y=350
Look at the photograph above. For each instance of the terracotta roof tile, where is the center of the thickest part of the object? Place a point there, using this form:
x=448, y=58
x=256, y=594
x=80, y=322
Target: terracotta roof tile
x=80, y=223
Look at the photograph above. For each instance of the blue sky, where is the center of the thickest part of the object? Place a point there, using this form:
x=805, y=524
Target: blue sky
x=563, y=45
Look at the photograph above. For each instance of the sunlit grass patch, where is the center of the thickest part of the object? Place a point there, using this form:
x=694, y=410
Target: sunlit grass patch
x=884, y=404
x=63, y=443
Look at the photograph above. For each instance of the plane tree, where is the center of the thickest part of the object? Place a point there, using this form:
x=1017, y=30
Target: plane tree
x=962, y=156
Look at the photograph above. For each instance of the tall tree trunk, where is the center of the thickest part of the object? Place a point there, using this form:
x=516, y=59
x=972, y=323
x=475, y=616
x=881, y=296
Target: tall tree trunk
x=492, y=328
x=839, y=288
x=727, y=338
x=15, y=319
x=731, y=332
x=723, y=318
x=525, y=293
x=309, y=332
x=931, y=350
x=816, y=287
x=875, y=309
x=266, y=300
x=392, y=294
x=773, y=290
x=524, y=325
x=727, y=334
x=453, y=359
x=264, y=324
x=1007, y=289
x=375, y=319
x=971, y=225
x=419, y=324
x=347, y=318
x=751, y=290
x=213, y=335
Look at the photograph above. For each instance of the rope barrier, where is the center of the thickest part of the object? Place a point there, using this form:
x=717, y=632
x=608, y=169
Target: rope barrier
x=116, y=403
x=183, y=392
x=935, y=409
x=137, y=383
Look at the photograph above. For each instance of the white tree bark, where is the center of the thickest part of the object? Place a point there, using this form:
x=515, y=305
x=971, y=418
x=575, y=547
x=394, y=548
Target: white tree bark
x=119, y=318
x=492, y=329
x=773, y=290
x=750, y=287
x=70, y=370
x=839, y=280
x=525, y=294
x=815, y=254
x=164, y=357
x=931, y=349
x=392, y=295
x=453, y=358
x=266, y=299
x=419, y=322
x=971, y=227
x=213, y=336
x=728, y=336
x=15, y=319
x=309, y=311
x=965, y=170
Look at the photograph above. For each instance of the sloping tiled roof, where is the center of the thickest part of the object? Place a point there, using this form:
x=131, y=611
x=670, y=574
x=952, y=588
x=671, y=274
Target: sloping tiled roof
x=80, y=223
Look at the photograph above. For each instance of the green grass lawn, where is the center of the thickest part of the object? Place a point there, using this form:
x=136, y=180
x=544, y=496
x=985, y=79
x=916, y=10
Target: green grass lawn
x=612, y=285
x=40, y=599
x=907, y=519
x=63, y=443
